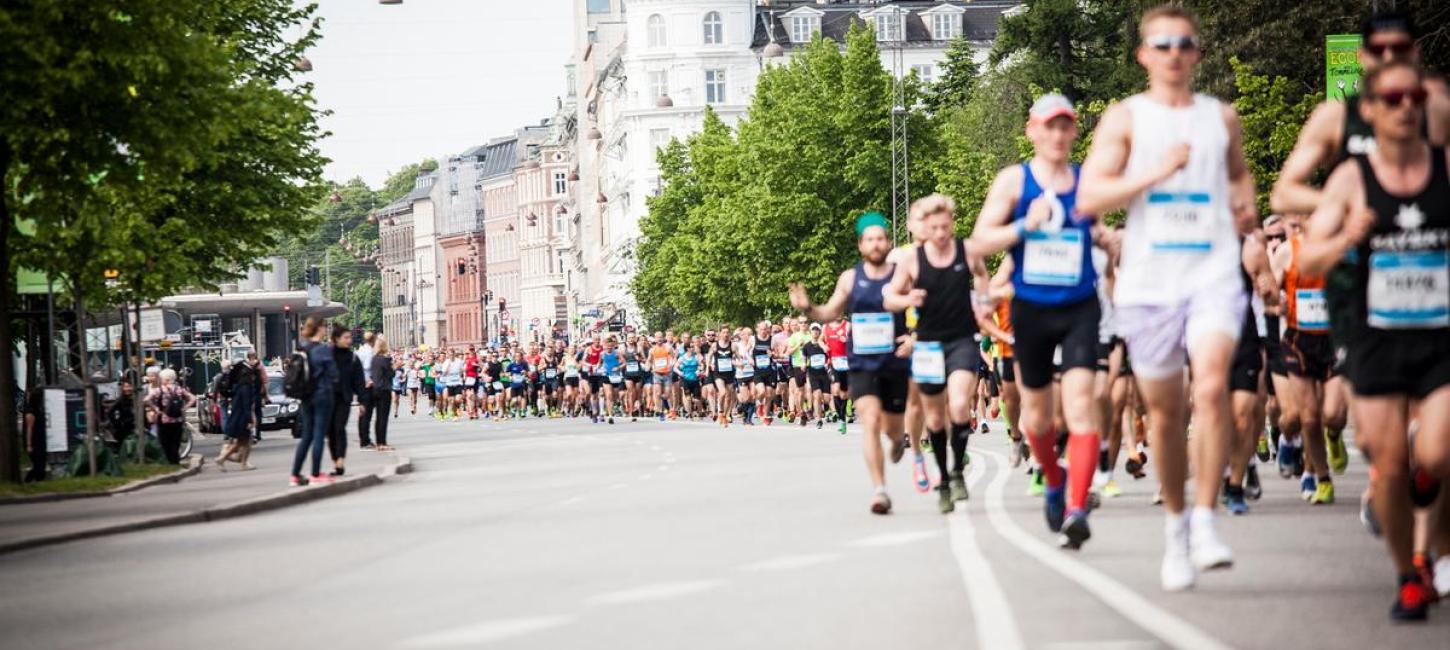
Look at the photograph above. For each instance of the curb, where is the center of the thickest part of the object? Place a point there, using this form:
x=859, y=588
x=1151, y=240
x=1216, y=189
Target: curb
x=216, y=513
x=193, y=467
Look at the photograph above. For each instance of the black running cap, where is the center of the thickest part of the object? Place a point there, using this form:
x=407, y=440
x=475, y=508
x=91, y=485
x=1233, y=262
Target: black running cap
x=1388, y=21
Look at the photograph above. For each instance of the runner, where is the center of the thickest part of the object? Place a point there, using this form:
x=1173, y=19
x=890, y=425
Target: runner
x=878, y=385
x=722, y=358
x=1175, y=161
x=762, y=385
x=1391, y=209
x=1246, y=374
x=937, y=281
x=662, y=363
x=1031, y=210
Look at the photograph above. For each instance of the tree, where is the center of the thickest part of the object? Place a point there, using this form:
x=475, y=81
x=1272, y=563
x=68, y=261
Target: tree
x=1082, y=48
x=163, y=138
x=1272, y=110
x=958, y=78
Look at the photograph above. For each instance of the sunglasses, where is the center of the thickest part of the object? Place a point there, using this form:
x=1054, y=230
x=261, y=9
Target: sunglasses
x=1416, y=96
x=1166, y=43
x=1399, y=48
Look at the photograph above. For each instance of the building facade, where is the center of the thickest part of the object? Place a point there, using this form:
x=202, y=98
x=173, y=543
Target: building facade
x=431, y=318
x=395, y=251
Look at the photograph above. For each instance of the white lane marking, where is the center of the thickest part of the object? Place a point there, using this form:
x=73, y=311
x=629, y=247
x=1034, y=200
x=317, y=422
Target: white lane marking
x=792, y=562
x=660, y=591
x=991, y=610
x=894, y=539
x=486, y=632
x=1170, y=629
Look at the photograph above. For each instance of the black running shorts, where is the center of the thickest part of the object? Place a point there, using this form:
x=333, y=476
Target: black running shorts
x=1040, y=329
x=1307, y=354
x=889, y=385
x=1399, y=363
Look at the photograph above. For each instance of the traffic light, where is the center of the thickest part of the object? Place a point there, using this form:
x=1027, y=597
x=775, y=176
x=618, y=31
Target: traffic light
x=314, y=275
x=503, y=304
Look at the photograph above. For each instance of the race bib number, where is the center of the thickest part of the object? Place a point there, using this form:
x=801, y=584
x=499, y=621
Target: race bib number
x=1311, y=310
x=516, y=378
x=724, y=365
x=762, y=361
x=928, y=363
x=1180, y=223
x=818, y=362
x=746, y=371
x=1053, y=259
x=841, y=364
x=631, y=367
x=662, y=365
x=615, y=377
x=498, y=385
x=571, y=373
x=469, y=381
x=872, y=333
x=1409, y=290
x=551, y=373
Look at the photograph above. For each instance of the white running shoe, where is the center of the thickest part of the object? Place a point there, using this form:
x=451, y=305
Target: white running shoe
x=1178, y=573
x=1442, y=576
x=1208, y=551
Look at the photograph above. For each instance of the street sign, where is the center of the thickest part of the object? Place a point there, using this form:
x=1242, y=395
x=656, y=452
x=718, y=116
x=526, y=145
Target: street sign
x=1341, y=66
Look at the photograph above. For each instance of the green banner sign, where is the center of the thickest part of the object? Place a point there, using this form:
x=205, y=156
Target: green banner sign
x=1341, y=66
x=29, y=281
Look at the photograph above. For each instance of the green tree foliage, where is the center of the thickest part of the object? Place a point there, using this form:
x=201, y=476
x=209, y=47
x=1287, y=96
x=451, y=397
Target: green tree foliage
x=1273, y=110
x=958, y=79
x=777, y=197
x=1082, y=48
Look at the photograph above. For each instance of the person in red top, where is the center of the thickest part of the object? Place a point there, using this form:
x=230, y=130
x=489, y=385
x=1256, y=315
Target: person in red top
x=835, y=336
x=470, y=382
x=594, y=370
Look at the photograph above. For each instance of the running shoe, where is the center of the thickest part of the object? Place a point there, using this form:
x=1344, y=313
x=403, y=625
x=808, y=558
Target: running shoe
x=1207, y=550
x=1177, y=572
x=1263, y=449
x=881, y=504
x=1411, y=601
x=1366, y=514
x=1014, y=454
x=1298, y=461
x=296, y=481
x=1094, y=500
x=1158, y=497
x=898, y=449
x=1286, y=459
x=1307, y=487
x=918, y=474
x=1036, y=487
x=662, y=416
x=1236, y=503
x=1338, y=456
x=841, y=429
x=1111, y=489
x=985, y=428
x=1442, y=577
x=1323, y=494
x=1054, y=507
x=926, y=444
x=1134, y=465
x=958, y=487
x=1426, y=569
x=1252, y=488
x=944, y=503
x=1075, y=530
x=611, y=419
x=1103, y=459
x=322, y=479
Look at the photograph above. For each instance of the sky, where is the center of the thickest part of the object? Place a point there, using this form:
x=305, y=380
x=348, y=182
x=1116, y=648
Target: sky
x=429, y=78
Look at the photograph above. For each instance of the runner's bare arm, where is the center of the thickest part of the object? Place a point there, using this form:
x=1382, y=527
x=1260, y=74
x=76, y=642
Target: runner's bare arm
x=1001, y=287
x=1317, y=144
x=989, y=325
x=1437, y=111
x=833, y=308
x=995, y=230
x=1279, y=262
x=1341, y=221
x=1243, y=196
x=898, y=295
x=1103, y=187
x=1256, y=262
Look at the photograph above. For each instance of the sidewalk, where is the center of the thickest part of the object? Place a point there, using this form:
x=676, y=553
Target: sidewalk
x=212, y=494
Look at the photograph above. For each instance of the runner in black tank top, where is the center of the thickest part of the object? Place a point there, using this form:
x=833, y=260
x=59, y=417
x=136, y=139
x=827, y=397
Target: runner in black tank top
x=944, y=358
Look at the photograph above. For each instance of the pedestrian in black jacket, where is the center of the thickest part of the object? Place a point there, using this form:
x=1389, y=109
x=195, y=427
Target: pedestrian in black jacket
x=350, y=383
x=380, y=377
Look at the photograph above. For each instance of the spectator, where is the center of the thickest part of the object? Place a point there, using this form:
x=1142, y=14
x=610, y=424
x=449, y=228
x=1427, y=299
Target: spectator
x=168, y=405
x=121, y=416
x=35, y=433
x=245, y=381
x=380, y=374
x=349, y=384
x=366, y=409
x=318, y=406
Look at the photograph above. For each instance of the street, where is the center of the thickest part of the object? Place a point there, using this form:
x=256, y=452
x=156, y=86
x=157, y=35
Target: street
x=562, y=534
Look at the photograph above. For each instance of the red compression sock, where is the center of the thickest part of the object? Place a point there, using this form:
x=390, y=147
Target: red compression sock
x=1082, y=460
x=1045, y=451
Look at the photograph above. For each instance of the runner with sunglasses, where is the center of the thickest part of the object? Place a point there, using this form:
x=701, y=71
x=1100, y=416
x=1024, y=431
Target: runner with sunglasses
x=1175, y=160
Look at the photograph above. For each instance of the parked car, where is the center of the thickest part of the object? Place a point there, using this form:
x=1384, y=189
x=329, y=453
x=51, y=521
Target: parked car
x=280, y=411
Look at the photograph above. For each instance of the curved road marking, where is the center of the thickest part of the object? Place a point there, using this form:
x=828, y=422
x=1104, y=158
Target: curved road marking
x=660, y=591
x=1170, y=629
x=991, y=610
x=792, y=562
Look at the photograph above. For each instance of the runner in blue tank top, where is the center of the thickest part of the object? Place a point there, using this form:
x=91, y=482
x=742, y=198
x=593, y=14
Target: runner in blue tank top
x=878, y=375
x=1030, y=210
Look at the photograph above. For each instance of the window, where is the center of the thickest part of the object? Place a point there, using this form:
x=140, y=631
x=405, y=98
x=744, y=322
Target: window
x=599, y=6
x=561, y=183
x=659, y=83
x=658, y=138
x=923, y=72
x=656, y=29
x=714, y=86
x=561, y=221
x=803, y=28
x=714, y=29
x=888, y=26
x=945, y=27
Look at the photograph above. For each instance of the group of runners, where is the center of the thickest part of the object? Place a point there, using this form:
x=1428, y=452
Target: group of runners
x=1190, y=324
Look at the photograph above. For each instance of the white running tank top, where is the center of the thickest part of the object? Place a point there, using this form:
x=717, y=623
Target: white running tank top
x=1105, y=302
x=1179, y=237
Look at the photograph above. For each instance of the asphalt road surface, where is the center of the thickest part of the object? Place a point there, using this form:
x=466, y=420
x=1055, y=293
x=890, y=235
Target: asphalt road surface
x=561, y=534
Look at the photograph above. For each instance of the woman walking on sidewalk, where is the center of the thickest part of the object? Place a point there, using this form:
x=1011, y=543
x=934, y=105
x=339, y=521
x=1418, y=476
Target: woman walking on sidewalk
x=350, y=383
x=246, y=383
x=381, y=372
x=316, y=359
x=169, y=402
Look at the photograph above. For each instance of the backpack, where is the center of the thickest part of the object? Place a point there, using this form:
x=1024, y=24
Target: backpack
x=172, y=405
x=224, y=384
x=297, y=378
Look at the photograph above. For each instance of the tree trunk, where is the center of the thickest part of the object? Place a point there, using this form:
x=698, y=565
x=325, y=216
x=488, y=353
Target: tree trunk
x=9, y=431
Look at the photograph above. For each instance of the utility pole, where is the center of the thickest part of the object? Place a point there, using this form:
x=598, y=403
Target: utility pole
x=900, y=178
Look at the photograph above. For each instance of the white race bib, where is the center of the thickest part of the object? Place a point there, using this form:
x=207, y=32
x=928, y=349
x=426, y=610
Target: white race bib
x=498, y=385
x=551, y=373
x=631, y=367
x=517, y=378
x=746, y=371
x=469, y=381
x=841, y=364
x=873, y=333
x=724, y=365
x=1180, y=223
x=818, y=361
x=571, y=372
x=661, y=365
x=928, y=363
x=1311, y=311
x=1409, y=290
x=1053, y=259
x=762, y=361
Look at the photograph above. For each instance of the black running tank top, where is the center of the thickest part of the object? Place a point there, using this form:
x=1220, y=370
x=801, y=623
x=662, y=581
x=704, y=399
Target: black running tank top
x=946, y=315
x=1403, y=268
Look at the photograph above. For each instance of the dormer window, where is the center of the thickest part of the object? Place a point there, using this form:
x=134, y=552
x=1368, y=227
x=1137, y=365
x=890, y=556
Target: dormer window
x=888, y=25
x=804, y=28
x=945, y=21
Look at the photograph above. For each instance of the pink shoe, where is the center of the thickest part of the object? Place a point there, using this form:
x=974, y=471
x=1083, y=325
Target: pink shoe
x=323, y=479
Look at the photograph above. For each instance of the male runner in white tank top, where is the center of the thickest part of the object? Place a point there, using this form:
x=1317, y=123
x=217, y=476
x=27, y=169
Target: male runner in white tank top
x=1175, y=160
